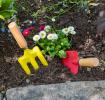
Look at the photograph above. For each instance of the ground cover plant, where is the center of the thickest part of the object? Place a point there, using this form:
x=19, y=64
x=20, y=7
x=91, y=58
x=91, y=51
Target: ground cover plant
x=82, y=16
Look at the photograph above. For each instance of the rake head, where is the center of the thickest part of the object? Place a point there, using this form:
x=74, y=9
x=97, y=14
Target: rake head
x=29, y=57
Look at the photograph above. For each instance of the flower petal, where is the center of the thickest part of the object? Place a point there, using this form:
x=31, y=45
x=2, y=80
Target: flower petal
x=71, y=28
x=65, y=31
x=50, y=37
x=73, y=32
x=47, y=28
x=42, y=34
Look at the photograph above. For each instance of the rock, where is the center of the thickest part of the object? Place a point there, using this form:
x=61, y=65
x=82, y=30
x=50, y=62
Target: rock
x=88, y=44
x=11, y=59
x=27, y=81
x=64, y=91
x=48, y=58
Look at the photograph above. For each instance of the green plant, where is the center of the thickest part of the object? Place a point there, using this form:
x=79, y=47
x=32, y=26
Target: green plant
x=63, y=6
x=6, y=9
x=39, y=13
x=59, y=7
x=54, y=42
x=80, y=3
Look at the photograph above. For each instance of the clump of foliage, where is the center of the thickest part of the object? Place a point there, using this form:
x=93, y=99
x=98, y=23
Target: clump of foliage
x=6, y=9
x=46, y=8
x=54, y=42
x=58, y=7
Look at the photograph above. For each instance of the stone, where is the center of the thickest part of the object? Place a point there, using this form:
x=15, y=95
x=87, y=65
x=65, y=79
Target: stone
x=64, y=91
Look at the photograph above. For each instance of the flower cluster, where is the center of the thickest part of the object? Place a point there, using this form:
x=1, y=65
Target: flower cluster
x=54, y=42
x=68, y=30
x=46, y=33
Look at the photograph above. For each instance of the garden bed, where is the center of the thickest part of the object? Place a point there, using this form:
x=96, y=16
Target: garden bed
x=11, y=74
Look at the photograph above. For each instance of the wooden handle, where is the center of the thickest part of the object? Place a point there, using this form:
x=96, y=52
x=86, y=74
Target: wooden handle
x=17, y=35
x=89, y=62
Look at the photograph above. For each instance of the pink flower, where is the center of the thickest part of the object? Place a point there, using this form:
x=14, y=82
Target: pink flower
x=27, y=31
x=41, y=28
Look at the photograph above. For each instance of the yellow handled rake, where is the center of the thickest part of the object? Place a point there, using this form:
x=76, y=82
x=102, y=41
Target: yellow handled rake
x=29, y=54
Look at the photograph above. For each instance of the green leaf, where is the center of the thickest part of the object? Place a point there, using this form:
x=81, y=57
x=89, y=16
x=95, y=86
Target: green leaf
x=48, y=48
x=52, y=49
x=62, y=54
x=41, y=44
x=1, y=17
x=58, y=47
x=6, y=8
x=52, y=54
x=0, y=3
x=7, y=4
x=7, y=13
x=43, y=52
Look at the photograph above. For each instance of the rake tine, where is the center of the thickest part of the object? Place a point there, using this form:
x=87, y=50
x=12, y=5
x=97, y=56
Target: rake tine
x=40, y=56
x=34, y=64
x=24, y=66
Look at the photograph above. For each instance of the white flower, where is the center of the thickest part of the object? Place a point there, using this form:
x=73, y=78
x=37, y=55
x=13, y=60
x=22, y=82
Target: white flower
x=71, y=28
x=36, y=38
x=73, y=32
x=53, y=19
x=55, y=36
x=42, y=34
x=50, y=37
x=65, y=31
x=47, y=28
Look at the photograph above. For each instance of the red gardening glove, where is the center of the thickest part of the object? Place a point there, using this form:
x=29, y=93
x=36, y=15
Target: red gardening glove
x=71, y=61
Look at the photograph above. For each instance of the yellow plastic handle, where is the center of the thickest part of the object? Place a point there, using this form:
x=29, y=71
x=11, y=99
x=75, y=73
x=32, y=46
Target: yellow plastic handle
x=17, y=35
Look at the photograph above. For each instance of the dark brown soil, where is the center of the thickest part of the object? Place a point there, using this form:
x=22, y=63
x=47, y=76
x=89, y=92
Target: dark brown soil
x=11, y=74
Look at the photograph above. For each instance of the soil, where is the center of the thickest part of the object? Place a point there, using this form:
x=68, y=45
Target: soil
x=85, y=42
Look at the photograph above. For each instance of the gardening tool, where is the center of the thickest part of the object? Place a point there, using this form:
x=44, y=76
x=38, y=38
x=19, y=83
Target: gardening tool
x=29, y=54
x=72, y=62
